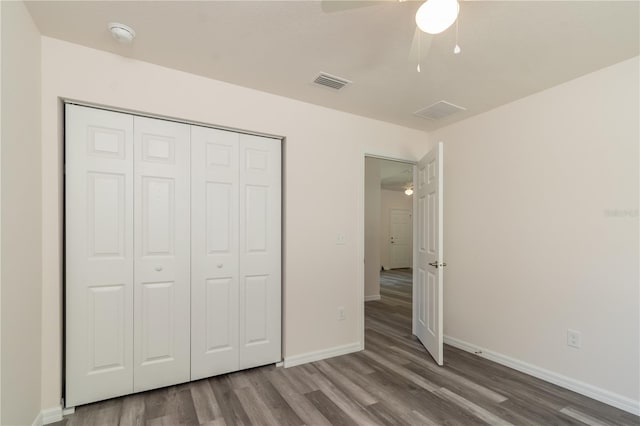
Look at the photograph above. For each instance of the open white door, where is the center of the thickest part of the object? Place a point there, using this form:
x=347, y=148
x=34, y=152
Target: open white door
x=428, y=270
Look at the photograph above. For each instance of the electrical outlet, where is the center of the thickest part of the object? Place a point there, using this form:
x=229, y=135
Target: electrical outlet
x=340, y=239
x=342, y=315
x=573, y=339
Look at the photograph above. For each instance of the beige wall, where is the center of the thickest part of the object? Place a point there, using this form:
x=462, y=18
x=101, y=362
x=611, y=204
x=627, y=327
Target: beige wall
x=21, y=217
x=391, y=200
x=323, y=166
x=372, y=200
x=541, y=229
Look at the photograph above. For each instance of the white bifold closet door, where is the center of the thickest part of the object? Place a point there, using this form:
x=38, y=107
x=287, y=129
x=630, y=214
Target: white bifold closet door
x=214, y=252
x=127, y=257
x=99, y=254
x=235, y=251
x=173, y=248
x=260, y=248
x=162, y=262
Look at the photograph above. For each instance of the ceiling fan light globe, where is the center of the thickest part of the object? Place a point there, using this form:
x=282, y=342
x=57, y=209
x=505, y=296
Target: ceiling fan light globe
x=408, y=191
x=435, y=16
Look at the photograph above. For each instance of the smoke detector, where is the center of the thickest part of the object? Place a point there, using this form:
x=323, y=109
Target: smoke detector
x=121, y=32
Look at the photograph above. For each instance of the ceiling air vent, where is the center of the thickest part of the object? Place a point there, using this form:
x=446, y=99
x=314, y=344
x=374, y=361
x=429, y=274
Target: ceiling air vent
x=438, y=110
x=331, y=81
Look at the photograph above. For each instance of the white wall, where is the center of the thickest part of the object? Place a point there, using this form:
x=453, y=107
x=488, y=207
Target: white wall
x=391, y=200
x=323, y=149
x=21, y=217
x=372, y=202
x=541, y=229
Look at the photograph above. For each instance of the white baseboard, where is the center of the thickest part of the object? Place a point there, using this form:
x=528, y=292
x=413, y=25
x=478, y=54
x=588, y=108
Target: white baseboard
x=38, y=420
x=51, y=415
x=47, y=416
x=599, y=394
x=372, y=297
x=323, y=354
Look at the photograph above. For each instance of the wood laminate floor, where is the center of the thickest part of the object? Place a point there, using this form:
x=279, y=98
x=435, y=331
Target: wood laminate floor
x=393, y=382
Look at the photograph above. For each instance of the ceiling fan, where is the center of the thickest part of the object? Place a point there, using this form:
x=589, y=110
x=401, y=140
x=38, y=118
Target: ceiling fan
x=432, y=17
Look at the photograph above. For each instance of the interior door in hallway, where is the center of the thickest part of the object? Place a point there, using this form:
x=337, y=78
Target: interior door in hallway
x=428, y=272
x=400, y=249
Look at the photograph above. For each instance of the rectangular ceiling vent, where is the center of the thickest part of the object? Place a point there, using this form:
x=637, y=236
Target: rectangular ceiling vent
x=438, y=110
x=331, y=81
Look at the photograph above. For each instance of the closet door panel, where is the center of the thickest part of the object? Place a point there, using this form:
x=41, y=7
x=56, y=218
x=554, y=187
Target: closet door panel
x=260, y=251
x=99, y=254
x=162, y=266
x=214, y=252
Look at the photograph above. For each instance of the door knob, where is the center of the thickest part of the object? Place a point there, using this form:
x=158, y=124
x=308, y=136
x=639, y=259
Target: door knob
x=158, y=268
x=434, y=264
x=219, y=265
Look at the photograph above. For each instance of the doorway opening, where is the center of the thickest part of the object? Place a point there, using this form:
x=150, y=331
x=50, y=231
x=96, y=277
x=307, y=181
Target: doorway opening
x=422, y=313
x=388, y=247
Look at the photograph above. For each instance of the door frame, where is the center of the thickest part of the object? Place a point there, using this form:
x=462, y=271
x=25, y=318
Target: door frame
x=381, y=155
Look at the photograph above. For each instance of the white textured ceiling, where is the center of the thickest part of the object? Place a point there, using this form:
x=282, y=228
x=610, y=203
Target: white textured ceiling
x=509, y=49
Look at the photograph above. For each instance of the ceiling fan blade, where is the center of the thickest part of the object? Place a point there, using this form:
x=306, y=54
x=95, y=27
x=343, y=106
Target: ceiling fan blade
x=333, y=6
x=415, y=46
x=420, y=46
